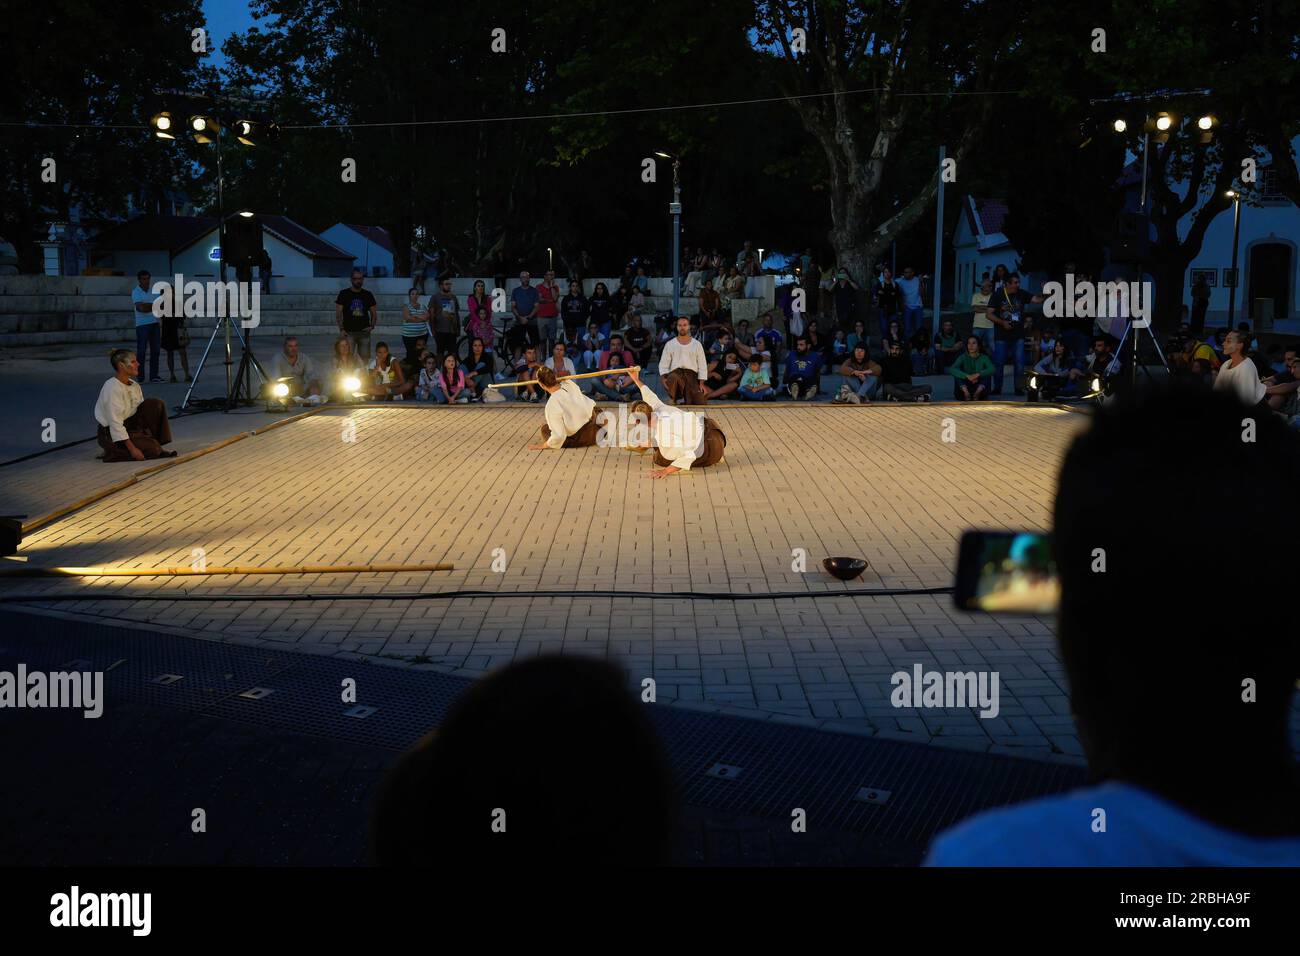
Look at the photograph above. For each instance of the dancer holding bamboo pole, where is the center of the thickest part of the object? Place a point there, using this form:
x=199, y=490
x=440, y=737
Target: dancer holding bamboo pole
x=571, y=417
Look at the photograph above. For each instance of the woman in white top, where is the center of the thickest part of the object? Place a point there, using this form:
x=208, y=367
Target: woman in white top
x=389, y=381
x=131, y=427
x=1238, y=374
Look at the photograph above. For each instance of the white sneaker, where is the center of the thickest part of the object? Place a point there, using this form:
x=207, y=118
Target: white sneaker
x=794, y=391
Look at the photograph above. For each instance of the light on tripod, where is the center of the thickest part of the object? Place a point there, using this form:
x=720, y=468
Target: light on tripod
x=1120, y=126
x=280, y=390
x=1096, y=383
x=246, y=213
x=352, y=384
x=1164, y=121
x=1205, y=122
x=1033, y=382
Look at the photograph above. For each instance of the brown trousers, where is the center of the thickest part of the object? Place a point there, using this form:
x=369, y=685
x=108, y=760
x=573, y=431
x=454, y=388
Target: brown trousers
x=584, y=437
x=714, y=444
x=148, y=429
x=684, y=384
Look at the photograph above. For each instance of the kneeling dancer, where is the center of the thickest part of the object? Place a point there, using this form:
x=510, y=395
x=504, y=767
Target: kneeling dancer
x=570, y=415
x=681, y=439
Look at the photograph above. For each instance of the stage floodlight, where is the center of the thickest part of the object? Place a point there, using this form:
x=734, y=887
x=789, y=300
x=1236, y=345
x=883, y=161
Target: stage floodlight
x=352, y=384
x=1121, y=126
x=206, y=129
x=1230, y=193
x=255, y=132
x=1164, y=121
x=1206, y=125
x=163, y=125
x=281, y=390
x=247, y=213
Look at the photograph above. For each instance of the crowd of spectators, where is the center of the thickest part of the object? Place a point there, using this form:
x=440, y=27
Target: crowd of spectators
x=844, y=346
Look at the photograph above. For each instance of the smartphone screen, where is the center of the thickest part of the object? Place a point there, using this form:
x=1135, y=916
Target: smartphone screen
x=1009, y=572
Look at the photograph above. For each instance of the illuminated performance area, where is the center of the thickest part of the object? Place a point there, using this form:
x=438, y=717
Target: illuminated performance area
x=579, y=552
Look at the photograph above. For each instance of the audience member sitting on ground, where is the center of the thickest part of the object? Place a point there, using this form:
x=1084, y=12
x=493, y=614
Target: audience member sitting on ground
x=896, y=377
x=973, y=372
x=618, y=385
x=861, y=377
x=639, y=341
x=1100, y=357
x=1167, y=694
x=742, y=334
x=304, y=379
x=802, y=370
x=428, y=380
x=546, y=760
x=524, y=369
x=388, y=381
x=559, y=362
x=1280, y=387
x=480, y=366
x=1057, y=374
x=131, y=427
x=894, y=334
x=344, y=365
x=755, y=385
x=1238, y=374
x=451, y=384
x=725, y=372
x=592, y=346
x=615, y=348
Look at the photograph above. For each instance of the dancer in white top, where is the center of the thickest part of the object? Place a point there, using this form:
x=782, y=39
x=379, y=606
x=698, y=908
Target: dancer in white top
x=1239, y=375
x=570, y=415
x=684, y=368
x=682, y=440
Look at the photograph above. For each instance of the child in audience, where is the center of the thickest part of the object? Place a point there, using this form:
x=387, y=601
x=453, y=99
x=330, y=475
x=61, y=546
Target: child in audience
x=756, y=384
x=428, y=379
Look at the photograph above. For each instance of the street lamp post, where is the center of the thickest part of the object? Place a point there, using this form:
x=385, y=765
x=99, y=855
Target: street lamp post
x=675, y=209
x=1236, y=235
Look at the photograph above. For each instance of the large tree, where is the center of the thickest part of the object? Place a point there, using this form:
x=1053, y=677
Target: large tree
x=867, y=78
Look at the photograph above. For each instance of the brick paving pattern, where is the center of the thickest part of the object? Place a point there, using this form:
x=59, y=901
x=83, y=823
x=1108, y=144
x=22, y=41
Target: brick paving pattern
x=424, y=485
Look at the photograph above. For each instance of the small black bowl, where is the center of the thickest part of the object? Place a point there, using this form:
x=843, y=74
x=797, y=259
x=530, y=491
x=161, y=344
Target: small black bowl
x=846, y=569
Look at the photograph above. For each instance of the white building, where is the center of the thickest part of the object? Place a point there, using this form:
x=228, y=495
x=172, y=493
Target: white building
x=371, y=246
x=167, y=245
x=979, y=246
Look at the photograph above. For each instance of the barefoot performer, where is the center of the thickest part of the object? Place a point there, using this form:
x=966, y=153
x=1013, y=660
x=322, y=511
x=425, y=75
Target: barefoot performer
x=570, y=415
x=681, y=439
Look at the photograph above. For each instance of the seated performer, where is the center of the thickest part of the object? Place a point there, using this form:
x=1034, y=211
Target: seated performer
x=131, y=427
x=570, y=415
x=684, y=368
x=681, y=439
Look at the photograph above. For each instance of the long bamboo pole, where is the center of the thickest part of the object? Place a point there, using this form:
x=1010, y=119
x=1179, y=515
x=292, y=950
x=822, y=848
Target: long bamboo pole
x=202, y=572
x=569, y=378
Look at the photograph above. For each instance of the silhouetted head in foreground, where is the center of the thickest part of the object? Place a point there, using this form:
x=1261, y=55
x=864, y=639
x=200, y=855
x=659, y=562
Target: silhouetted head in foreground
x=1175, y=523
x=553, y=761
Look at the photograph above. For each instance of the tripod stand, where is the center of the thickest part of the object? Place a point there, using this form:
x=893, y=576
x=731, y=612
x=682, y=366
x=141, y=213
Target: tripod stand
x=239, y=387
x=1135, y=331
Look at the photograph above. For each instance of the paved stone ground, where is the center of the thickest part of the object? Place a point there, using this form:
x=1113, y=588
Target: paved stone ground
x=432, y=485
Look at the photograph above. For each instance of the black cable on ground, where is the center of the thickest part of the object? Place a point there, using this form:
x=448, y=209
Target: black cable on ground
x=451, y=595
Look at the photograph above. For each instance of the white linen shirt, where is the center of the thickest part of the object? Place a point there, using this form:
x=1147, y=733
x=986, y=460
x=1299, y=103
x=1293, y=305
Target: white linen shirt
x=691, y=355
x=1242, y=381
x=567, y=411
x=117, y=403
x=677, y=433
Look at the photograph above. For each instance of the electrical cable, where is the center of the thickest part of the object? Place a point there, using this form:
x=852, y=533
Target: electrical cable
x=452, y=595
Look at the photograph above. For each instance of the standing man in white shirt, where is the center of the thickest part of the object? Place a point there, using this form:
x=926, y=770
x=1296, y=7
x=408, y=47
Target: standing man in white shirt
x=682, y=440
x=148, y=330
x=684, y=368
x=131, y=427
x=570, y=415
